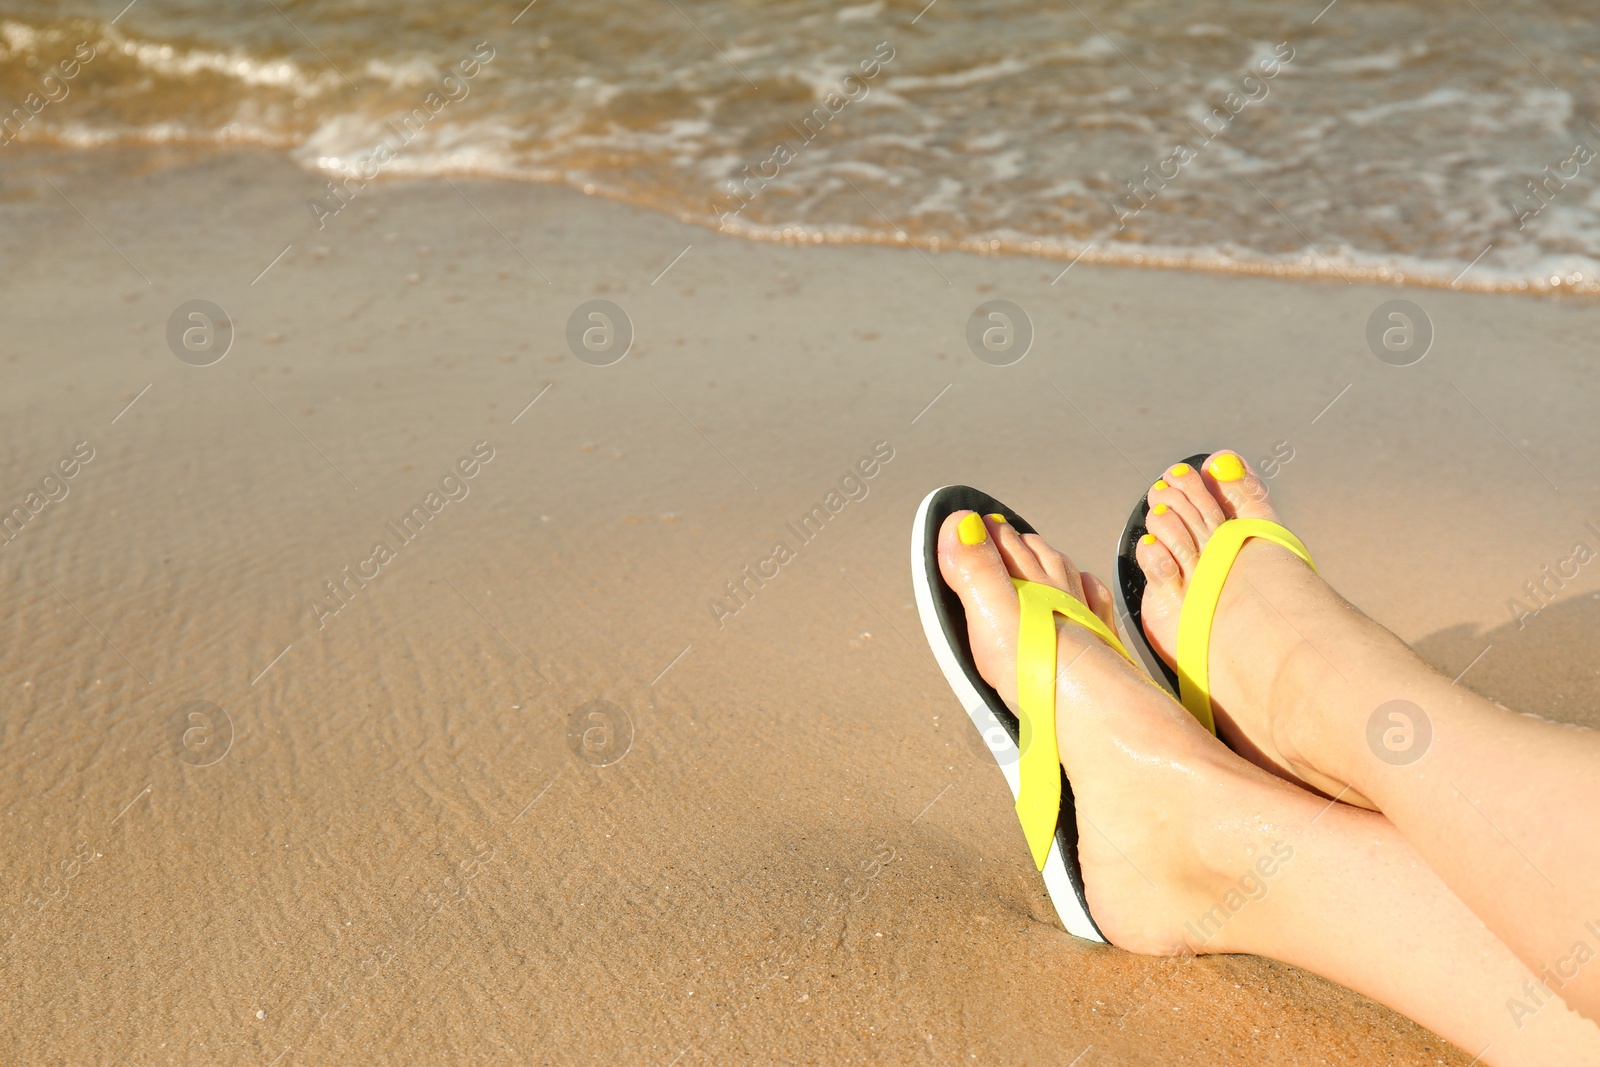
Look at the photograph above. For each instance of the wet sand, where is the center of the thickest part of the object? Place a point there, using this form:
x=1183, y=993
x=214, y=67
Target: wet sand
x=404, y=831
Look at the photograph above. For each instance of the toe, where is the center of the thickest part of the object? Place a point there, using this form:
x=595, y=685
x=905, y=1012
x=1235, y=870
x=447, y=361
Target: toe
x=1163, y=596
x=1020, y=559
x=972, y=566
x=1160, y=569
x=1192, y=499
x=1175, y=536
x=1242, y=493
x=1057, y=567
x=1165, y=495
x=1030, y=556
x=1098, y=597
x=1055, y=564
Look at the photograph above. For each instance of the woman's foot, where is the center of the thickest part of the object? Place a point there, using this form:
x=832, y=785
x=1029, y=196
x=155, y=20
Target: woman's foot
x=1169, y=820
x=1283, y=642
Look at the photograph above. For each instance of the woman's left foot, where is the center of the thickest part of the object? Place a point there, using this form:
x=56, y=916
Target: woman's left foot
x=1277, y=633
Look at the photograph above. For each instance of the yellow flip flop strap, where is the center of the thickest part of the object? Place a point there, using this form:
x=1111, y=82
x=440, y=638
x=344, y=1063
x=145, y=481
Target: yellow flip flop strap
x=1039, y=769
x=1200, y=606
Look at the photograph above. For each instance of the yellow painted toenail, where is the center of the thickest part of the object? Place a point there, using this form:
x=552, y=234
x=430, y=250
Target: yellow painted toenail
x=1161, y=483
x=997, y=517
x=1227, y=468
x=971, y=530
x=1180, y=470
x=1148, y=539
x=1159, y=509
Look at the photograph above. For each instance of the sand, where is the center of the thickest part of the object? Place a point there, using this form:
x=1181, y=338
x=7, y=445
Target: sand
x=387, y=838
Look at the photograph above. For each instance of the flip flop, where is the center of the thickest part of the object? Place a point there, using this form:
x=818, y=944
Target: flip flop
x=1024, y=747
x=1191, y=681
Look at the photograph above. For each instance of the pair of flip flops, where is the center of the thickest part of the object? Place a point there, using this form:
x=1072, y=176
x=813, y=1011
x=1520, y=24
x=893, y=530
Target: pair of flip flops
x=1024, y=744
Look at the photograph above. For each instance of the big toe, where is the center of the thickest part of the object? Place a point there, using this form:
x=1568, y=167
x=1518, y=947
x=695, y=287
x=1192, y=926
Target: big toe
x=971, y=564
x=1238, y=489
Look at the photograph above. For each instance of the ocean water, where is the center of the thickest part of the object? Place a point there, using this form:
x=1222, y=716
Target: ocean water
x=1414, y=141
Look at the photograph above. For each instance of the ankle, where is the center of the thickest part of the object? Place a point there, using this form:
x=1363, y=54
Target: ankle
x=1238, y=883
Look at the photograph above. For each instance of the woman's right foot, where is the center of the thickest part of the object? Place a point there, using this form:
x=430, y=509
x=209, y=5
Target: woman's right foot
x=1284, y=645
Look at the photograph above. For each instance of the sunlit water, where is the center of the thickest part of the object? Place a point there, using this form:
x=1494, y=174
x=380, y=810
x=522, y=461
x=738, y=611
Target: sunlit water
x=1403, y=140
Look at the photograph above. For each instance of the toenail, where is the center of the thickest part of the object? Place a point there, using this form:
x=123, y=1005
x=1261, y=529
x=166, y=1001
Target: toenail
x=1180, y=470
x=1159, y=509
x=1227, y=468
x=997, y=517
x=1161, y=483
x=971, y=530
x=1148, y=539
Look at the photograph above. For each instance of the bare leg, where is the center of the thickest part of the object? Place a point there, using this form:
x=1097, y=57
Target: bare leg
x=1504, y=807
x=1366, y=911
x=1187, y=847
